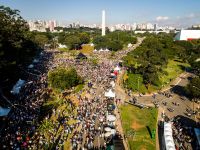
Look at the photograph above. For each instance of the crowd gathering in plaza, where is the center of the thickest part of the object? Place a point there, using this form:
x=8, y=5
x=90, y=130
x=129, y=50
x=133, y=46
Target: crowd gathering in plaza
x=87, y=131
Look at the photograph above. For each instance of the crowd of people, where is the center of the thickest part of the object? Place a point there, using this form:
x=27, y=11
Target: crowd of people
x=21, y=127
x=20, y=124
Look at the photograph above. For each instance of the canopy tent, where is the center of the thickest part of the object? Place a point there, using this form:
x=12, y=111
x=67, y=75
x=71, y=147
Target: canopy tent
x=197, y=134
x=112, y=74
x=30, y=66
x=169, y=141
x=107, y=134
x=107, y=129
x=81, y=56
x=35, y=60
x=16, y=88
x=4, y=111
x=106, y=50
x=113, y=131
x=111, y=118
x=110, y=94
x=112, y=84
x=117, y=68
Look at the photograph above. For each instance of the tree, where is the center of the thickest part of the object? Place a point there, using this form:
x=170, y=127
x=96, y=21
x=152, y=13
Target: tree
x=84, y=38
x=41, y=40
x=193, y=88
x=17, y=46
x=73, y=42
x=62, y=78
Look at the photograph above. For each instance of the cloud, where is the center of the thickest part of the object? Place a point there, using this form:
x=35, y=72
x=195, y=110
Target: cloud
x=162, y=18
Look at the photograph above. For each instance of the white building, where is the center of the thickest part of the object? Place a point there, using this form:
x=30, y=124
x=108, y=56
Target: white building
x=187, y=35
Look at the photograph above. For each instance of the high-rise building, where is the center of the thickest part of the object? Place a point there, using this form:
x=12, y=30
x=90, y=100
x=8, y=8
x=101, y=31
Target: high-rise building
x=103, y=23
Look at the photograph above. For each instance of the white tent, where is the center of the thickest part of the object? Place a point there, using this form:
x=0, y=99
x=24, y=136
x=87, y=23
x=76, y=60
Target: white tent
x=112, y=83
x=169, y=141
x=35, y=60
x=110, y=94
x=117, y=68
x=107, y=129
x=129, y=45
x=30, y=66
x=107, y=134
x=106, y=50
x=16, y=88
x=111, y=118
x=4, y=111
x=101, y=50
x=113, y=131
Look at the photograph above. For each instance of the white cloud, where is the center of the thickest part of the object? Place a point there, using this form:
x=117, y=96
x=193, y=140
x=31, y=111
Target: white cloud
x=192, y=15
x=162, y=18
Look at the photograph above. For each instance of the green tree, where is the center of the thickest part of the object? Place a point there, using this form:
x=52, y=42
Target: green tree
x=62, y=78
x=41, y=40
x=17, y=46
x=193, y=88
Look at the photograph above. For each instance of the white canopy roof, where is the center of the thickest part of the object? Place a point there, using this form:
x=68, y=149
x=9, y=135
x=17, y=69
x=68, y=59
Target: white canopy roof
x=110, y=94
x=4, y=111
x=35, y=60
x=16, y=88
x=112, y=83
x=117, y=68
x=30, y=66
x=169, y=141
x=111, y=118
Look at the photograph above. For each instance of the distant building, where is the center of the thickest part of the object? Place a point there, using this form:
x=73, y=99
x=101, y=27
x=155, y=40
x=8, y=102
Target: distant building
x=187, y=35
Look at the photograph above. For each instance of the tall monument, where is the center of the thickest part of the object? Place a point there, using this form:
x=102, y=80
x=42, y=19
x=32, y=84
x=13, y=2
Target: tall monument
x=103, y=30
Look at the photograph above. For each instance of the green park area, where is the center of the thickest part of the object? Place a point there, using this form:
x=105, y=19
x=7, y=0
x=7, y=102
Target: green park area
x=139, y=127
x=174, y=69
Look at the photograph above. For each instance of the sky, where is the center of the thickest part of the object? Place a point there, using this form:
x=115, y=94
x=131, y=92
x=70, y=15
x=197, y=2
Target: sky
x=178, y=13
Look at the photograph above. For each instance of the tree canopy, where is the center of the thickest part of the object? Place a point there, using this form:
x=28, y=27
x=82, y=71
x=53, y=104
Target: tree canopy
x=17, y=46
x=193, y=88
x=152, y=56
x=114, y=40
x=62, y=78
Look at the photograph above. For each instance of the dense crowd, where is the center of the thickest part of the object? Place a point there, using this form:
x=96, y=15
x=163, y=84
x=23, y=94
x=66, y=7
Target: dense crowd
x=20, y=124
x=87, y=131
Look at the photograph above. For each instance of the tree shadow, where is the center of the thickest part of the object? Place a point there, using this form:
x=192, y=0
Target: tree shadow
x=179, y=90
x=149, y=130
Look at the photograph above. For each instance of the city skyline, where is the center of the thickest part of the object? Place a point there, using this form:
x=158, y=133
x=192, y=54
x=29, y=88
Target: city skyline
x=170, y=13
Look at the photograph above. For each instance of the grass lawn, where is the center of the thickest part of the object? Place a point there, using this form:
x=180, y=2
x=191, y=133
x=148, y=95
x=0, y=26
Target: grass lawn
x=135, y=122
x=174, y=69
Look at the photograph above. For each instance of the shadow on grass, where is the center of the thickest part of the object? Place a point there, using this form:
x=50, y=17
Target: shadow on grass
x=149, y=130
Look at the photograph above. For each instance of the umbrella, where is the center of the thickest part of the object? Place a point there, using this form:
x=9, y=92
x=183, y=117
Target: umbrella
x=107, y=129
x=111, y=118
x=107, y=134
x=113, y=131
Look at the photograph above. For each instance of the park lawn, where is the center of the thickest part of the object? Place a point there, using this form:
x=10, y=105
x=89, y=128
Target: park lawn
x=174, y=69
x=136, y=120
